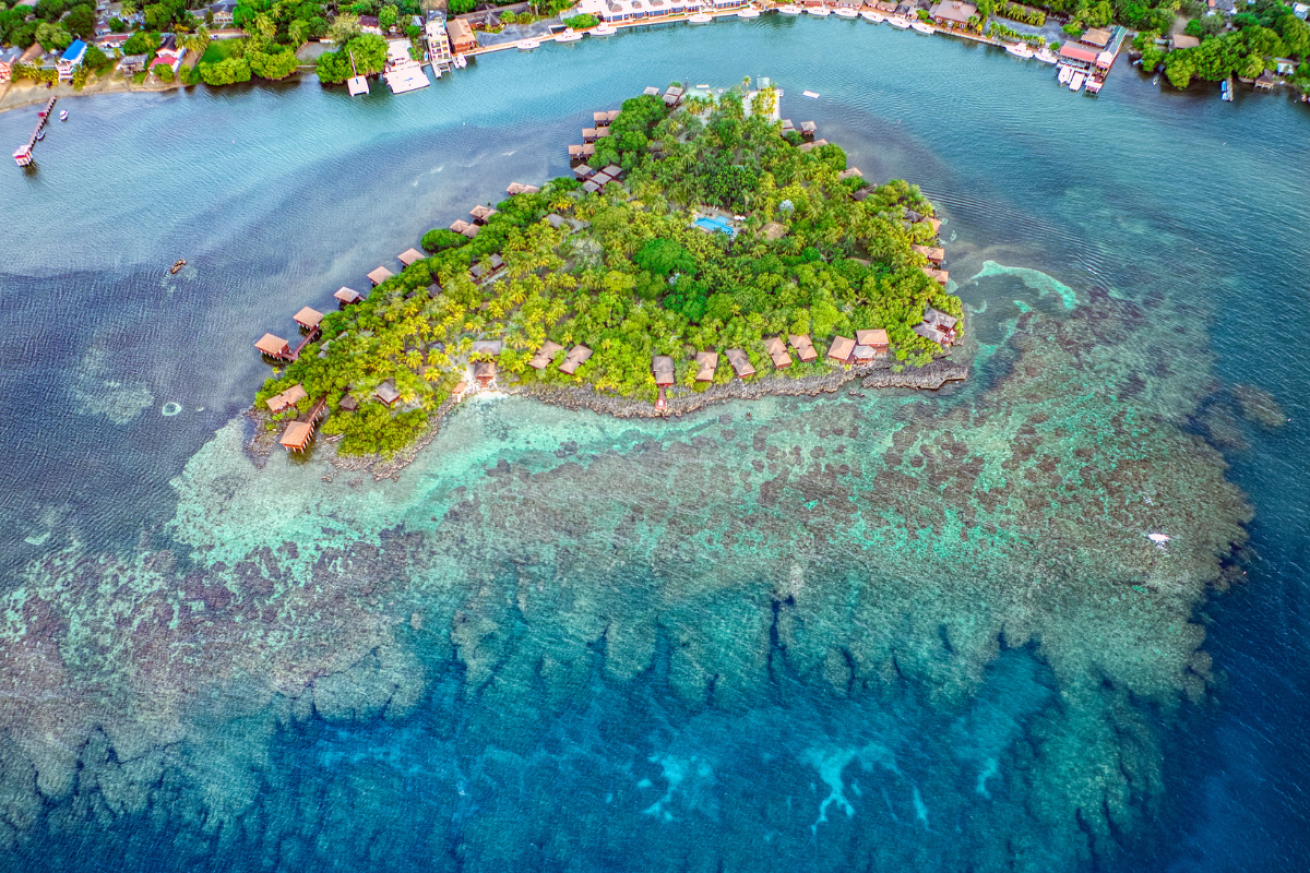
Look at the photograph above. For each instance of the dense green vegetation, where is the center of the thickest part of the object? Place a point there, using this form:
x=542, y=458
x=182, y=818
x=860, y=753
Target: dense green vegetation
x=631, y=277
x=369, y=52
x=1267, y=30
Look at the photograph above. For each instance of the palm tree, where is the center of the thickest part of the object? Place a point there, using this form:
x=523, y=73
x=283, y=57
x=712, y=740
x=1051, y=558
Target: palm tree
x=298, y=30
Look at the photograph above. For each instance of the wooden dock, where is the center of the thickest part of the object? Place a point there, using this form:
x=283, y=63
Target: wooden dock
x=23, y=155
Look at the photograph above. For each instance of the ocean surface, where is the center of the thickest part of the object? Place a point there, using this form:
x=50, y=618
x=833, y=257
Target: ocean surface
x=873, y=630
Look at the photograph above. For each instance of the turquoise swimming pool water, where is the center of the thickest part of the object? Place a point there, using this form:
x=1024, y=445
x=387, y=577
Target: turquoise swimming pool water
x=716, y=225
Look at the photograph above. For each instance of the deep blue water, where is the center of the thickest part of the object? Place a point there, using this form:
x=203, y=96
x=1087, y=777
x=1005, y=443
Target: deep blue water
x=276, y=196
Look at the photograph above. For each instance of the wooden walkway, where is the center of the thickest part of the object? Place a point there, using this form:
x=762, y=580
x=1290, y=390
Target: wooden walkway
x=23, y=156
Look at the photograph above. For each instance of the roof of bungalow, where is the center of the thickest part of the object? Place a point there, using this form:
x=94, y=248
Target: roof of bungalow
x=934, y=223
x=488, y=347
x=459, y=225
x=651, y=91
x=1097, y=37
x=348, y=403
x=852, y=173
x=575, y=151
x=863, y=193
x=933, y=253
x=674, y=90
x=348, y=295
x=864, y=353
x=409, y=256
x=777, y=351
x=706, y=364
x=1077, y=53
x=519, y=188
x=1180, y=41
x=295, y=394
x=591, y=187
x=939, y=318
x=576, y=357
x=545, y=355
x=953, y=11
x=930, y=332
x=773, y=231
x=803, y=345
x=297, y=435
x=470, y=230
x=380, y=275
x=582, y=171
x=875, y=337
x=600, y=119
x=308, y=317
x=662, y=367
x=434, y=290
x=938, y=276
x=387, y=393
x=556, y=221
x=614, y=171
x=481, y=213
x=272, y=345
x=740, y=361
x=841, y=349
x=75, y=52
x=484, y=371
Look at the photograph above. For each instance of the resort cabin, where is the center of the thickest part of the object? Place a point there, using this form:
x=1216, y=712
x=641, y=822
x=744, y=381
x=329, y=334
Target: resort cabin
x=614, y=171
x=809, y=129
x=1077, y=56
x=1096, y=38
x=804, y=347
x=1265, y=82
x=613, y=114
x=581, y=171
x=934, y=223
x=941, y=277
x=842, y=349
x=706, y=364
x=518, y=188
x=541, y=360
x=459, y=225
x=481, y=213
x=651, y=91
x=773, y=231
x=810, y=146
x=457, y=393
x=410, y=256
x=575, y=154
x=462, y=38
x=297, y=435
x=577, y=356
x=588, y=134
x=930, y=332
x=953, y=13
x=934, y=254
x=875, y=339
x=274, y=346
x=861, y=355
x=346, y=296
x=591, y=187
x=741, y=363
x=662, y=367
x=557, y=221
x=488, y=347
x=380, y=275
x=863, y=194
x=939, y=319
x=287, y=398
x=387, y=393
x=71, y=59
x=308, y=318
x=777, y=351
x=787, y=126
x=348, y=403
x=434, y=291
x=486, y=269
x=600, y=119
x=484, y=372
x=673, y=96
x=852, y=173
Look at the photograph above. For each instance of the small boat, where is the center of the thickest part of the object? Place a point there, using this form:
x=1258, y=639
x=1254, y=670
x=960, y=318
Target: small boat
x=1094, y=86
x=1077, y=83
x=921, y=27
x=1046, y=56
x=569, y=36
x=1020, y=50
x=605, y=30
x=40, y=136
x=177, y=265
x=460, y=62
x=872, y=17
x=813, y=95
x=898, y=22
x=845, y=12
x=1226, y=91
x=63, y=115
x=789, y=9
x=527, y=45
x=700, y=18
x=1066, y=73
x=749, y=12
x=820, y=11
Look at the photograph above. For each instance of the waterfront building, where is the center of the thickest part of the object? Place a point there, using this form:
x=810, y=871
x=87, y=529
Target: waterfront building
x=274, y=346
x=287, y=399
x=387, y=393
x=1096, y=38
x=935, y=255
x=308, y=318
x=462, y=38
x=71, y=59
x=409, y=256
x=662, y=367
x=346, y=296
x=804, y=347
x=741, y=363
x=438, y=40
x=777, y=351
x=296, y=437
x=577, y=356
x=380, y=275
x=841, y=349
x=875, y=339
x=1078, y=57
x=706, y=364
x=8, y=57
x=541, y=360
x=953, y=13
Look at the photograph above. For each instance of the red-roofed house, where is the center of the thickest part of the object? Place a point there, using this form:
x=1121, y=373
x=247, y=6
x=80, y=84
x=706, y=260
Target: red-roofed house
x=1077, y=56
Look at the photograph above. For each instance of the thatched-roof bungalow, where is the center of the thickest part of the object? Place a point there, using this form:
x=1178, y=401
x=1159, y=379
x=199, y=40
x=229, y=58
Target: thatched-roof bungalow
x=348, y=403
x=410, y=256
x=852, y=173
x=346, y=296
x=287, y=399
x=459, y=225
x=941, y=277
x=937, y=318
x=934, y=254
x=297, y=435
x=308, y=318
x=875, y=339
x=804, y=347
x=863, y=355
x=773, y=231
x=387, y=393
x=481, y=213
x=274, y=346
x=488, y=347
x=935, y=224
x=541, y=360
x=706, y=364
x=741, y=363
x=577, y=356
x=582, y=171
x=777, y=351
x=484, y=372
x=842, y=349
x=380, y=275
x=662, y=367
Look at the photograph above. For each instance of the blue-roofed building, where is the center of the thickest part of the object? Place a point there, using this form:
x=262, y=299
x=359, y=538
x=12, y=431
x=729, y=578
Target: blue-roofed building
x=71, y=59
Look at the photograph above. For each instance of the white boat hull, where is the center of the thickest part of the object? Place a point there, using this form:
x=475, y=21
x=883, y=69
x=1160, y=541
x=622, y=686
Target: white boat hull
x=819, y=11
x=571, y=36
x=920, y=27
x=700, y=18
x=789, y=10
x=899, y=23
x=749, y=13
x=872, y=17
x=846, y=13
x=605, y=30
x=1020, y=51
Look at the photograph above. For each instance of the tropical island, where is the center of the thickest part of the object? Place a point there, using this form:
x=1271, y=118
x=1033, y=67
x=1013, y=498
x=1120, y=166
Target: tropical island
x=714, y=247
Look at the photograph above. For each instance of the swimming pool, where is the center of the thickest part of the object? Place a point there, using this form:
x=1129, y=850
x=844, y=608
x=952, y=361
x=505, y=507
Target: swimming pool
x=715, y=224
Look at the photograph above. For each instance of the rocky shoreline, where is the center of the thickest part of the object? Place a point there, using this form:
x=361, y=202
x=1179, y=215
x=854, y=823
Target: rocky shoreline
x=880, y=374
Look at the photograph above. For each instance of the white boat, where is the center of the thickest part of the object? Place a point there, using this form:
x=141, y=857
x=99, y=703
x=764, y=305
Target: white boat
x=460, y=62
x=820, y=11
x=1020, y=50
x=898, y=22
x=1077, y=83
x=406, y=78
x=813, y=95
x=1066, y=73
x=749, y=12
x=63, y=115
x=700, y=18
x=527, y=45
x=1046, y=56
x=568, y=36
x=789, y=9
x=872, y=17
x=921, y=27
x=845, y=12
x=605, y=30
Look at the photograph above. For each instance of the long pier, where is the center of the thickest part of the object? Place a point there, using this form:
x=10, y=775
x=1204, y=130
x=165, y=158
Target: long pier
x=23, y=156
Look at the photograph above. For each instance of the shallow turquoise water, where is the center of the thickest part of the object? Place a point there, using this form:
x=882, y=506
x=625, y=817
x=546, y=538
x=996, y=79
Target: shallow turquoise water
x=504, y=644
